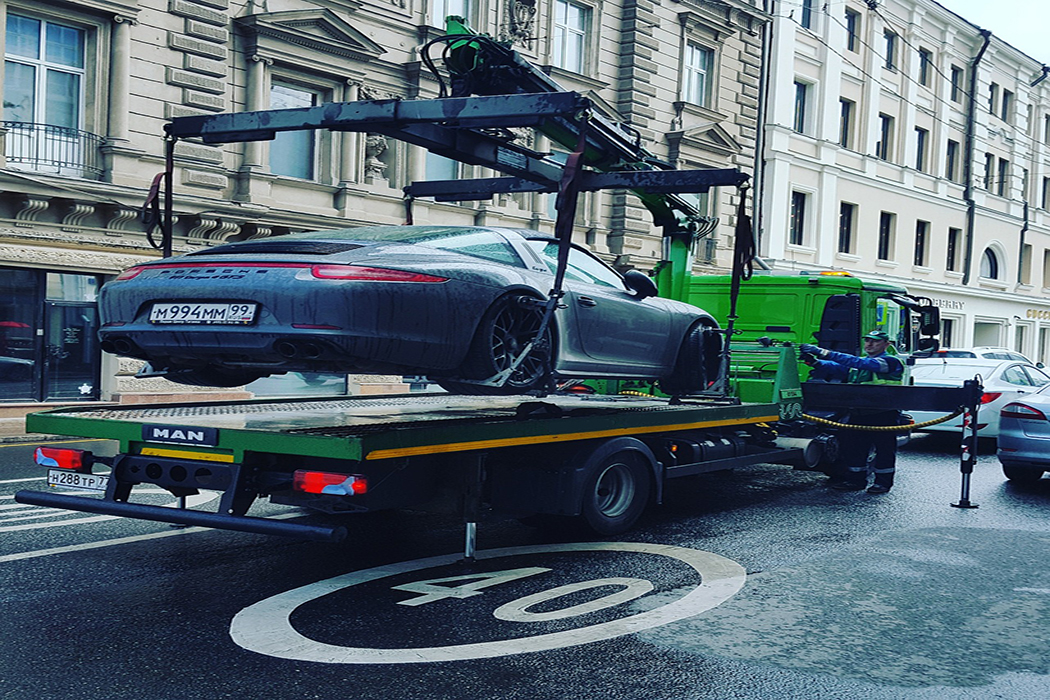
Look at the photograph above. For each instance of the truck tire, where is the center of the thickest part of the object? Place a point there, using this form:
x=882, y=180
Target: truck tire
x=1022, y=475
x=617, y=480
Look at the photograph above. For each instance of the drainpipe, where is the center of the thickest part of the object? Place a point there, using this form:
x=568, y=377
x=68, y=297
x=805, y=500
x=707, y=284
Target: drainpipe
x=1041, y=78
x=971, y=124
x=759, y=198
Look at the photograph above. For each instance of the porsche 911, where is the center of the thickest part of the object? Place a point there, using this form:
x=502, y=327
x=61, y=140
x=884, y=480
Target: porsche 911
x=458, y=304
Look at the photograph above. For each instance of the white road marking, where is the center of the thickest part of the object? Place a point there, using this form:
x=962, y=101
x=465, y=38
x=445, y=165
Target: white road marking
x=266, y=627
x=191, y=502
x=518, y=610
x=18, y=481
x=1044, y=591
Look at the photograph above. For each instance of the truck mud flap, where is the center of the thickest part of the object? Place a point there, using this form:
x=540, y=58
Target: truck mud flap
x=239, y=523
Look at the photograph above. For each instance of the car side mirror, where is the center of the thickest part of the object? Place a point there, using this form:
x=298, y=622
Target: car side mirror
x=640, y=283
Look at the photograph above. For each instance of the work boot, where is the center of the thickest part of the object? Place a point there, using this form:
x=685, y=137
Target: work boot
x=878, y=488
x=848, y=486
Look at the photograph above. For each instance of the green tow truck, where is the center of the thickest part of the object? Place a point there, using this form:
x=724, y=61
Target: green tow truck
x=600, y=458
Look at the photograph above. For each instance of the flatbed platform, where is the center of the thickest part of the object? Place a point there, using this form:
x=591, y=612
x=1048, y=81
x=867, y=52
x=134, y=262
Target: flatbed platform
x=403, y=425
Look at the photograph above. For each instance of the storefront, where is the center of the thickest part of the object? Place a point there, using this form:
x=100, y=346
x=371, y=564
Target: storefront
x=48, y=344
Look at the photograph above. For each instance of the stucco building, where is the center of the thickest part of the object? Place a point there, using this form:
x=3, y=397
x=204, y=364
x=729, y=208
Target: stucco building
x=904, y=142
x=89, y=84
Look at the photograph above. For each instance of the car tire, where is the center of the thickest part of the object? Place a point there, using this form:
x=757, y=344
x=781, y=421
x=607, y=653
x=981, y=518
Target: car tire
x=213, y=377
x=697, y=363
x=616, y=486
x=1022, y=475
x=504, y=331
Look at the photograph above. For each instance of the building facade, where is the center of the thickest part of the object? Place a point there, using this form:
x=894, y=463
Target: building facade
x=904, y=142
x=89, y=84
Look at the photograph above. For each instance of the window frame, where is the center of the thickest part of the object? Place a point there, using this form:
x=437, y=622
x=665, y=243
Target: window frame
x=800, y=115
x=847, y=110
x=281, y=79
x=885, y=245
x=925, y=66
x=890, y=46
x=853, y=24
x=922, y=243
x=439, y=21
x=689, y=71
x=559, y=43
x=951, y=262
x=884, y=146
x=990, y=262
x=922, y=140
x=798, y=218
x=847, y=225
x=951, y=160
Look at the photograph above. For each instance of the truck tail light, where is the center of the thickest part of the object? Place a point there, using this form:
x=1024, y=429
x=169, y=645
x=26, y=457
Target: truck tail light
x=370, y=274
x=1021, y=412
x=989, y=396
x=62, y=458
x=329, y=483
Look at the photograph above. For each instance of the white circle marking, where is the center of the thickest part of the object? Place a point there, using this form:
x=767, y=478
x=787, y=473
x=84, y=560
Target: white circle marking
x=266, y=627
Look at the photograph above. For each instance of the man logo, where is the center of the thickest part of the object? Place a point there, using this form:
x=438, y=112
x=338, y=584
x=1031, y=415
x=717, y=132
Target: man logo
x=181, y=435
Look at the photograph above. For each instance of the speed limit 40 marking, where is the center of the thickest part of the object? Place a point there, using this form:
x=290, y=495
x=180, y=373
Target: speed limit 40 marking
x=266, y=626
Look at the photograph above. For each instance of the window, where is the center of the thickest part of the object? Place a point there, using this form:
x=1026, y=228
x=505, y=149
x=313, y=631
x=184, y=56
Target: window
x=957, y=80
x=293, y=153
x=1026, y=264
x=801, y=96
x=807, y=14
x=922, y=231
x=440, y=9
x=1046, y=193
x=571, y=24
x=925, y=67
x=846, y=112
x=1046, y=267
x=990, y=265
x=582, y=267
x=847, y=220
x=798, y=218
x=947, y=328
x=887, y=222
x=921, y=138
x=697, y=73
x=1002, y=183
x=1006, y=110
x=951, y=165
x=44, y=89
x=1046, y=129
x=993, y=97
x=952, y=263
x=884, y=147
x=441, y=168
x=890, y=49
x=989, y=169
x=852, y=30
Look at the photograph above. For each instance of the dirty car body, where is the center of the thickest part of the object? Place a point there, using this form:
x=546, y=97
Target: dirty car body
x=454, y=303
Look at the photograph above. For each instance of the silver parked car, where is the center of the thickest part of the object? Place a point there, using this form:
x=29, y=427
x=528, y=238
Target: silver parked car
x=457, y=304
x=1003, y=380
x=1024, y=437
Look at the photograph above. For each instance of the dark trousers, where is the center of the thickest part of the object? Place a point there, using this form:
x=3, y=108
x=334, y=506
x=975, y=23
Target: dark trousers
x=857, y=446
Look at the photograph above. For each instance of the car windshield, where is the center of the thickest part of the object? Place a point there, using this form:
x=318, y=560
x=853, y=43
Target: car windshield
x=955, y=371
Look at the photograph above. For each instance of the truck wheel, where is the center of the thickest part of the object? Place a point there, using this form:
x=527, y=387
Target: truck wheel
x=617, y=481
x=1022, y=475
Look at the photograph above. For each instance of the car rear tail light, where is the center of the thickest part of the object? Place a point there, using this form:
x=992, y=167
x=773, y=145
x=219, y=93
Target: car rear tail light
x=370, y=274
x=329, y=483
x=62, y=458
x=1021, y=412
x=129, y=273
x=989, y=396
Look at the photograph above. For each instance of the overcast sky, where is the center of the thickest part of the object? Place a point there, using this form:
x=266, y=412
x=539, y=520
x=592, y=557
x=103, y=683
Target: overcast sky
x=1024, y=24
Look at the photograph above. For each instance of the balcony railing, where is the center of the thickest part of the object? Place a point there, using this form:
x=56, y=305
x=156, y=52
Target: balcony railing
x=60, y=150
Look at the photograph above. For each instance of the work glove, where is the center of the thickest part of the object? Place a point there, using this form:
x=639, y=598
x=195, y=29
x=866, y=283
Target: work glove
x=807, y=349
x=809, y=359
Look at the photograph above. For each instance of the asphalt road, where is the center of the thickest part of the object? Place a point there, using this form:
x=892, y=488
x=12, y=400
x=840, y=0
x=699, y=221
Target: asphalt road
x=759, y=583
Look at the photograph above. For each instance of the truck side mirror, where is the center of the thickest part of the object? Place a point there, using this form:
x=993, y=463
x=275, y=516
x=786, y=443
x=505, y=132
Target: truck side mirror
x=929, y=320
x=640, y=283
x=928, y=345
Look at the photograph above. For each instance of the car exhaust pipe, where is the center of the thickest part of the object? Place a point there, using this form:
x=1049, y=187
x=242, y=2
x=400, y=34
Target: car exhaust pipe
x=310, y=350
x=286, y=348
x=293, y=349
x=120, y=346
x=810, y=451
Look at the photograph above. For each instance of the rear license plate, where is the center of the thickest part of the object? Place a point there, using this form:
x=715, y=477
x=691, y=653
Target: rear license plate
x=236, y=314
x=62, y=478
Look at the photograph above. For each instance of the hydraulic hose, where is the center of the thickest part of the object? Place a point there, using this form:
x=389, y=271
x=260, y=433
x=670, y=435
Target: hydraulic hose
x=885, y=428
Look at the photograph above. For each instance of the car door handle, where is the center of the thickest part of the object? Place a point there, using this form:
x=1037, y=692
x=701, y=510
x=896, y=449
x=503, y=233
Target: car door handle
x=586, y=301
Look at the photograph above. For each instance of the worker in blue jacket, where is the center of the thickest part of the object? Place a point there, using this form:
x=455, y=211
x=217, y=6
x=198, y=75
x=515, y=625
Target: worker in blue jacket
x=876, y=367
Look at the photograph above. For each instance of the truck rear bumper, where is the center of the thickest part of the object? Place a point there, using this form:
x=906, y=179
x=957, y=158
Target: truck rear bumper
x=239, y=523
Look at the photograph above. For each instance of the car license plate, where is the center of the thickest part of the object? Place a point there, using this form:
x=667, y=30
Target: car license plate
x=63, y=478
x=237, y=314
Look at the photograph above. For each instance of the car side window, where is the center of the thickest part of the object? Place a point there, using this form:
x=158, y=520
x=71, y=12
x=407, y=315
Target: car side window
x=1037, y=378
x=481, y=244
x=1016, y=375
x=582, y=266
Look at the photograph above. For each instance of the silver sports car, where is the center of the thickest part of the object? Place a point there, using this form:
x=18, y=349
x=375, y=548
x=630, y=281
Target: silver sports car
x=458, y=304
